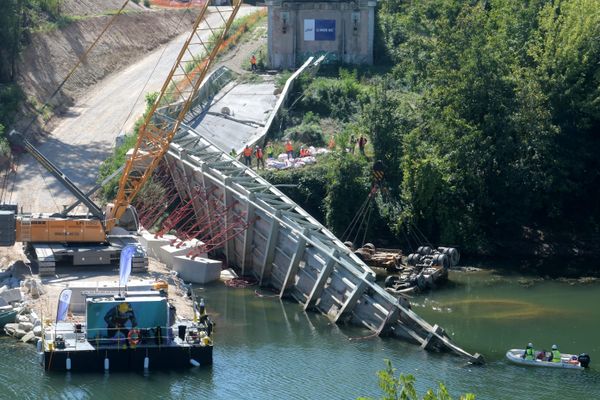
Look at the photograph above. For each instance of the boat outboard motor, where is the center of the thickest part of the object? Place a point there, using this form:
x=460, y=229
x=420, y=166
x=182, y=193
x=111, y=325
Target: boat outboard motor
x=584, y=360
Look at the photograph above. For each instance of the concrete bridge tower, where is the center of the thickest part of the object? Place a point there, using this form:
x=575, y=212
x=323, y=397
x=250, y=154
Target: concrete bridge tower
x=342, y=29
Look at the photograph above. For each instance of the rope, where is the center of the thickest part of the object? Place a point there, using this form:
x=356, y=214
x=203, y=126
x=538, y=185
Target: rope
x=350, y=226
x=361, y=223
x=367, y=224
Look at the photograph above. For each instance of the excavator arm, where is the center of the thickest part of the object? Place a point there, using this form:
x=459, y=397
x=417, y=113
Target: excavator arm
x=174, y=101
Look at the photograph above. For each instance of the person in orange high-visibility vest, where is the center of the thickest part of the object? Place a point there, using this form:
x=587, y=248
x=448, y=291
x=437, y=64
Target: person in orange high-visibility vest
x=248, y=156
x=253, y=63
x=289, y=150
x=260, y=159
x=331, y=144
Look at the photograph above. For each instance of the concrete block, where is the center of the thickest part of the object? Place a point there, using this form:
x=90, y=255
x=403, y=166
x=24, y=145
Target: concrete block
x=12, y=295
x=29, y=336
x=11, y=328
x=19, y=333
x=198, y=270
x=169, y=252
x=26, y=326
x=153, y=245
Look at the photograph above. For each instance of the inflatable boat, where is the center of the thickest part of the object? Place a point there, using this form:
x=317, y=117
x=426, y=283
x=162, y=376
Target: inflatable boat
x=569, y=361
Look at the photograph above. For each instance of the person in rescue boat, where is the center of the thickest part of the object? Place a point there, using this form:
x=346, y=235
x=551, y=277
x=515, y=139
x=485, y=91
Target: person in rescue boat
x=117, y=318
x=555, y=355
x=529, y=353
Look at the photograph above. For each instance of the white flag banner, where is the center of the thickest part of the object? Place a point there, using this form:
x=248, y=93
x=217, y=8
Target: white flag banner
x=125, y=264
x=63, y=304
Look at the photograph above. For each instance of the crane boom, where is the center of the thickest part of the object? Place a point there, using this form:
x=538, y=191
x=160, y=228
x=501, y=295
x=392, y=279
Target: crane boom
x=175, y=98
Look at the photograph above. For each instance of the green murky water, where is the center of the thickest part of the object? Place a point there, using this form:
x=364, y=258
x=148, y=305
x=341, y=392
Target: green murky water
x=266, y=349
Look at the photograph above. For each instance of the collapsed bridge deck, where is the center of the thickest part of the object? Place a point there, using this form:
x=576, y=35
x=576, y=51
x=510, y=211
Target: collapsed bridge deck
x=268, y=236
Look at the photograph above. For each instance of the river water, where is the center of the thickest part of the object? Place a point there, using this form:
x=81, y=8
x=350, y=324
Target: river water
x=267, y=349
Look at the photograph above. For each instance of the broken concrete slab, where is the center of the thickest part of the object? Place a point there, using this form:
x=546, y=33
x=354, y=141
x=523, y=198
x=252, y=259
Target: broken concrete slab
x=26, y=326
x=22, y=318
x=33, y=287
x=19, y=333
x=198, y=270
x=11, y=328
x=12, y=295
x=29, y=336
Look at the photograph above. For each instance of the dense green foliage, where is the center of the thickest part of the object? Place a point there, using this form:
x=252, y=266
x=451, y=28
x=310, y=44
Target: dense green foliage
x=403, y=387
x=487, y=122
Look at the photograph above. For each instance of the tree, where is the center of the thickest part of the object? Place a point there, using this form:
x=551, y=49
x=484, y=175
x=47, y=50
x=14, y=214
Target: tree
x=403, y=387
x=10, y=38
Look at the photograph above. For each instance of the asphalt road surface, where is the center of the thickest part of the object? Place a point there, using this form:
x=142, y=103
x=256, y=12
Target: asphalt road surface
x=85, y=135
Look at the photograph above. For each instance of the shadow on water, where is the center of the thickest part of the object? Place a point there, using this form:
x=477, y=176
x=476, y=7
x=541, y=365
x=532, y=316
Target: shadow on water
x=547, y=267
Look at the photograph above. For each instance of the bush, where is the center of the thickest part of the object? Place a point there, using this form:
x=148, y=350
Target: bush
x=146, y=3
x=339, y=98
x=403, y=387
x=4, y=147
x=10, y=97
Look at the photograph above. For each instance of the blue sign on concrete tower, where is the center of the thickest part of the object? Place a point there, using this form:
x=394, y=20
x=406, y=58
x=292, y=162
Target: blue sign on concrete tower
x=319, y=29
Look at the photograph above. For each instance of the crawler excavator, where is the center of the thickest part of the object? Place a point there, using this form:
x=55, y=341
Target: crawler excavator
x=98, y=236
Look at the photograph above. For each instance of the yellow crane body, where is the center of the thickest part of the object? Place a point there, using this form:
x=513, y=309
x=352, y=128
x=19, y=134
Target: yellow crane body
x=48, y=229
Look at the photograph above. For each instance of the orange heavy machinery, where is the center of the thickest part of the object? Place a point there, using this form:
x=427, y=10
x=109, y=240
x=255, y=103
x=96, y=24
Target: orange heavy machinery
x=92, y=238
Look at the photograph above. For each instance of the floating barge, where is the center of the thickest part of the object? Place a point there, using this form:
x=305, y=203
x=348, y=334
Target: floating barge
x=132, y=333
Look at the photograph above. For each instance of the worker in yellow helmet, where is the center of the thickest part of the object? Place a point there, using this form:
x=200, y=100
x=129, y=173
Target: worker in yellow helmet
x=117, y=319
x=529, y=353
x=555, y=357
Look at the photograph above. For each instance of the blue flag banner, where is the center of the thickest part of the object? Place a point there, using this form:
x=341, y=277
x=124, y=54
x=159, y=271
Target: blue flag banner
x=125, y=264
x=63, y=304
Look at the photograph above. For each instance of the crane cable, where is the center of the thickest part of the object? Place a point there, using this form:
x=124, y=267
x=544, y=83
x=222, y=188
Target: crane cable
x=350, y=228
x=362, y=220
x=186, y=12
x=60, y=86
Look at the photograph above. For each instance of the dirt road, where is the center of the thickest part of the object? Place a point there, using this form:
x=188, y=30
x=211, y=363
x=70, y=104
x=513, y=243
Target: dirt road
x=85, y=135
